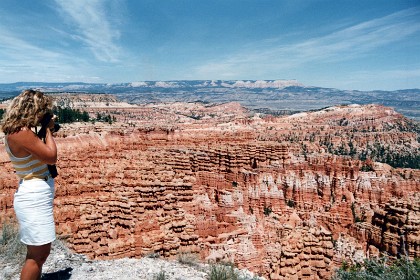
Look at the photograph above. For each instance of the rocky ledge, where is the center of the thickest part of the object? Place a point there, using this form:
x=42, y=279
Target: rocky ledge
x=63, y=264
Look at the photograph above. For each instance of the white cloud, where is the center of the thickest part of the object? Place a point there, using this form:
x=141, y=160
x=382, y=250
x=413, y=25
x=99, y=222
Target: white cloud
x=93, y=27
x=22, y=60
x=361, y=38
x=18, y=49
x=271, y=56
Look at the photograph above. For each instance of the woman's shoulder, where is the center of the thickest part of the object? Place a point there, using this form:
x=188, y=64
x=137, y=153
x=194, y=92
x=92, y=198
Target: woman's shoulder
x=24, y=132
x=19, y=142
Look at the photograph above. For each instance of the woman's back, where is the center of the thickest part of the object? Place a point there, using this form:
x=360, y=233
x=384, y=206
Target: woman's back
x=26, y=165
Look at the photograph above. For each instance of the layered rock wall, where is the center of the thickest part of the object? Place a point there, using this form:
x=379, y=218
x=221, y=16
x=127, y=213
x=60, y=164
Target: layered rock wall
x=241, y=189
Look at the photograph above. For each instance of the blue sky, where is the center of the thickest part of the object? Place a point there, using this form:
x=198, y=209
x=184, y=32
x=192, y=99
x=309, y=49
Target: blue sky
x=365, y=44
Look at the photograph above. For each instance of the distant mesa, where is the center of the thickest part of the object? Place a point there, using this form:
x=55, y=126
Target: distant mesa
x=220, y=83
x=267, y=84
x=268, y=95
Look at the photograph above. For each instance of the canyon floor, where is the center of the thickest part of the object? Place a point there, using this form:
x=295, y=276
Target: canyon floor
x=286, y=197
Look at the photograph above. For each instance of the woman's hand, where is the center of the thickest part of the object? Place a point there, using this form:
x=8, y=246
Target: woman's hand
x=51, y=123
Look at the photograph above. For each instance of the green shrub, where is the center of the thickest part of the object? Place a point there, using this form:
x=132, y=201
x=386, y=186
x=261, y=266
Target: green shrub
x=188, y=259
x=222, y=272
x=402, y=269
x=10, y=245
x=153, y=255
x=366, y=168
x=227, y=271
x=291, y=203
x=160, y=276
x=7, y=233
x=267, y=210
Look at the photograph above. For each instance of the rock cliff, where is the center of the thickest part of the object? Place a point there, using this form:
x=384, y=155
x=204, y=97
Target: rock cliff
x=286, y=197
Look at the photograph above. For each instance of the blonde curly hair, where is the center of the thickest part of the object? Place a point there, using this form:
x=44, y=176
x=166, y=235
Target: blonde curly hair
x=26, y=110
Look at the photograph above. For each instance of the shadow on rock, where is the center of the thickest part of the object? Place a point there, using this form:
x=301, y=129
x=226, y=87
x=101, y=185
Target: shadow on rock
x=64, y=274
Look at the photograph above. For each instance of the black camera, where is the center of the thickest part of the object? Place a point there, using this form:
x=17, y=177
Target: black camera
x=44, y=125
x=42, y=133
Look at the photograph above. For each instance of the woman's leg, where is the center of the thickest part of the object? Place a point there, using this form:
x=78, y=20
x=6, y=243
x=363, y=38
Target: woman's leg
x=35, y=258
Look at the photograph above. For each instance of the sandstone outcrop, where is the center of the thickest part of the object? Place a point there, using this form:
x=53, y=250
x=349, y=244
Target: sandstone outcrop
x=270, y=194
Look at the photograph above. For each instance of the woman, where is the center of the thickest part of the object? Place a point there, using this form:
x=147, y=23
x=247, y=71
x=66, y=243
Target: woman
x=33, y=201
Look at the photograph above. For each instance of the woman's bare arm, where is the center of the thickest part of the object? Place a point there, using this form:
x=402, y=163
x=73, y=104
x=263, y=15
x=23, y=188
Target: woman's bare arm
x=28, y=141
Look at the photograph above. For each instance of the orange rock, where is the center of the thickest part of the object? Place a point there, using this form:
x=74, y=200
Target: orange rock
x=229, y=187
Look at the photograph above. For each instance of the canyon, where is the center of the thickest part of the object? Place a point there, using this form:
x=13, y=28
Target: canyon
x=286, y=197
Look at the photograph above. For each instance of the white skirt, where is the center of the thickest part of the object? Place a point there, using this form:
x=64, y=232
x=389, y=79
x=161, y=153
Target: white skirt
x=33, y=204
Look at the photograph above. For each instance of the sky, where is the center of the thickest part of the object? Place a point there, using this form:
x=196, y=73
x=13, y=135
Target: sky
x=357, y=44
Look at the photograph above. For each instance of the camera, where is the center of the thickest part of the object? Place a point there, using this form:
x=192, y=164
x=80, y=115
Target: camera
x=44, y=125
x=42, y=133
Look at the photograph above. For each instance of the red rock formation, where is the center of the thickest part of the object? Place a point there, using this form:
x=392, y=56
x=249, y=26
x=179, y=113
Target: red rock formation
x=394, y=228
x=263, y=193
